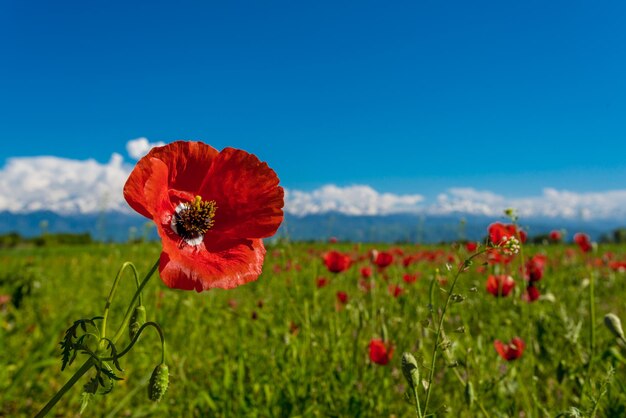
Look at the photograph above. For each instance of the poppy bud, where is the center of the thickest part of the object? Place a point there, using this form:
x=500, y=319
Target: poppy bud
x=158, y=382
x=614, y=325
x=410, y=370
x=137, y=319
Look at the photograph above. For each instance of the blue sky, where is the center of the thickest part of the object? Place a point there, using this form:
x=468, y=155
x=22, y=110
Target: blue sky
x=408, y=97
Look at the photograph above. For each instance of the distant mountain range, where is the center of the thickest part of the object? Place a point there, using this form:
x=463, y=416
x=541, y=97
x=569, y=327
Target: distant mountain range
x=115, y=226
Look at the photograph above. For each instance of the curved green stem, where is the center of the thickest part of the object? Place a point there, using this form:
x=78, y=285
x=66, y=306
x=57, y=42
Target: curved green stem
x=107, y=306
x=79, y=373
x=136, y=337
x=131, y=306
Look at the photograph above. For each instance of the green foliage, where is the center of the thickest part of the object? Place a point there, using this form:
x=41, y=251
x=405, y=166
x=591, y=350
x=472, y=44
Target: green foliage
x=283, y=347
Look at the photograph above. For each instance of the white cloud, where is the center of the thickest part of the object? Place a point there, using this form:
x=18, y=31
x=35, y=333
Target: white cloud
x=139, y=147
x=351, y=200
x=70, y=186
x=551, y=203
x=62, y=185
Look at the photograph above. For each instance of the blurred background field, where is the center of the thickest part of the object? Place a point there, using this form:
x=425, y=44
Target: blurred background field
x=283, y=346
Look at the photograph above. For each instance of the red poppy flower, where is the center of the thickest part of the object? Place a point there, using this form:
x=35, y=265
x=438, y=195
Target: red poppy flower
x=500, y=285
x=383, y=259
x=497, y=231
x=366, y=272
x=531, y=294
x=510, y=351
x=556, y=236
x=337, y=262
x=342, y=297
x=583, y=241
x=471, y=246
x=534, y=268
x=211, y=210
x=618, y=266
x=395, y=290
x=380, y=352
x=410, y=278
x=321, y=282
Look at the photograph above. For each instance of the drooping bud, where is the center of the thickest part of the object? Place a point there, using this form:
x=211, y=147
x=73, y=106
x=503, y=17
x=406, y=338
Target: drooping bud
x=159, y=382
x=410, y=370
x=614, y=325
x=137, y=319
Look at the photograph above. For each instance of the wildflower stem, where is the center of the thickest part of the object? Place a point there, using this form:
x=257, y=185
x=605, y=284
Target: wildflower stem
x=105, y=316
x=131, y=306
x=431, y=373
x=136, y=337
x=79, y=373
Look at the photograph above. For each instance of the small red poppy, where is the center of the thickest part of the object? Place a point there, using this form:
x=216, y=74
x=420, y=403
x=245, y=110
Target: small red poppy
x=337, y=262
x=342, y=297
x=321, y=282
x=471, y=246
x=366, y=272
x=395, y=290
x=380, y=352
x=583, y=241
x=556, y=236
x=534, y=268
x=500, y=285
x=510, y=351
x=410, y=278
x=383, y=259
x=211, y=210
x=531, y=294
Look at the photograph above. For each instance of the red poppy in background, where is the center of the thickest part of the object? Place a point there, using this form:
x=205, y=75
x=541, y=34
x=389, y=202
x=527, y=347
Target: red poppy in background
x=556, y=236
x=500, y=285
x=531, y=294
x=383, y=259
x=395, y=290
x=321, y=282
x=498, y=230
x=510, y=351
x=337, y=262
x=410, y=278
x=211, y=209
x=618, y=266
x=583, y=241
x=366, y=272
x=534, y=268
x=380, y=352
x=471, y=246
x=342, y=297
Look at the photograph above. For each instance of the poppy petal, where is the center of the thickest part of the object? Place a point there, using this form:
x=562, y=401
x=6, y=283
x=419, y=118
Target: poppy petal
x=249, y=200
x=190, y=268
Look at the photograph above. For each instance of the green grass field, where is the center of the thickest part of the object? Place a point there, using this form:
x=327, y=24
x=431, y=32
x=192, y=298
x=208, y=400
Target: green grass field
x=282, y=347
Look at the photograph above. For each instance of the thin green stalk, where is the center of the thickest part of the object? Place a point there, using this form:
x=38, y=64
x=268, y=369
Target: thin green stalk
x=79, y=373
x=431, y=373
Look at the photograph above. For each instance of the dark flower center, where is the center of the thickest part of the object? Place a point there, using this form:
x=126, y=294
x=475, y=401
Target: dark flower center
x=193, y=219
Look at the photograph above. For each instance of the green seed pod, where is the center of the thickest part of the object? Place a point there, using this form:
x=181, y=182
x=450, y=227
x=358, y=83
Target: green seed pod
x=469, y=394
x=159, y=382
x=410, y=370
x=137, y=319
x=614, y=325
